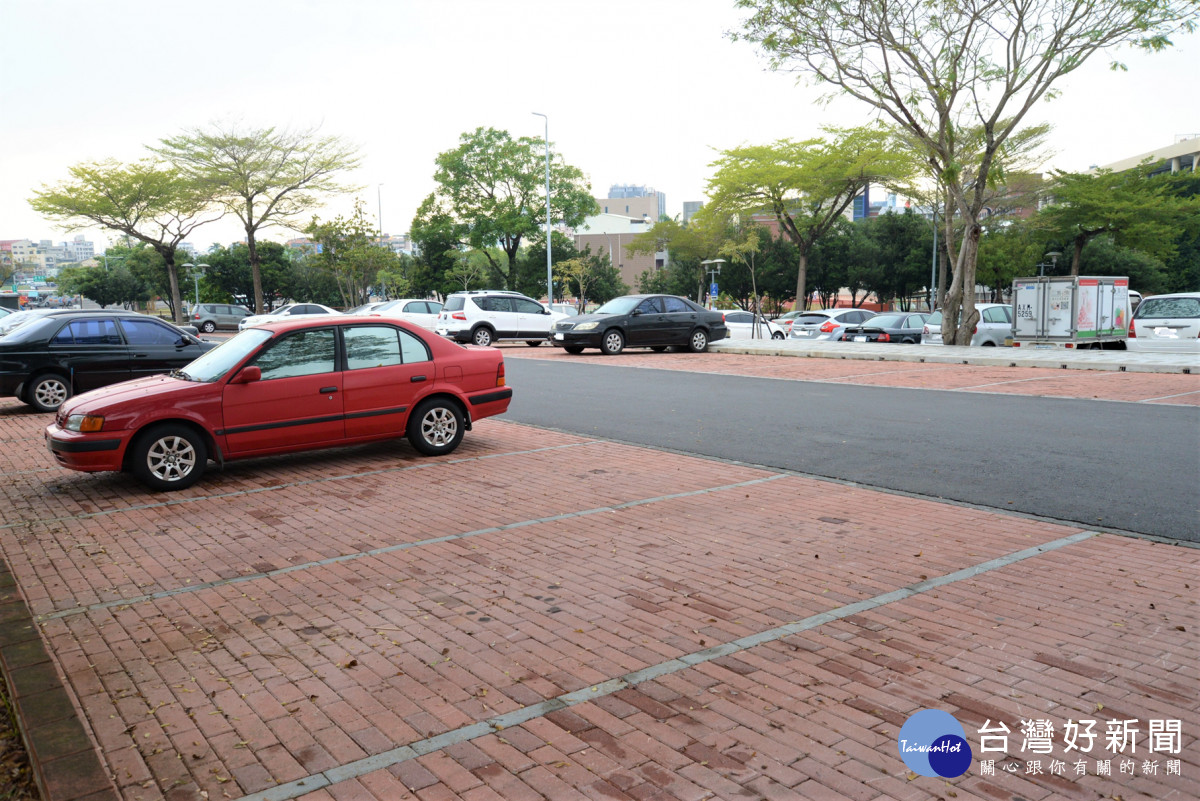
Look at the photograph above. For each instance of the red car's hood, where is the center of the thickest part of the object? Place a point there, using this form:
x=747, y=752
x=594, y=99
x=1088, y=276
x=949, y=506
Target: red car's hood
x=152, y=389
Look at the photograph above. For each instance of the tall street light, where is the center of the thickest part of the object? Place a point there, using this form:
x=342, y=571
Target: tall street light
x=379, y=208
x=196, y=277
x=549, y=263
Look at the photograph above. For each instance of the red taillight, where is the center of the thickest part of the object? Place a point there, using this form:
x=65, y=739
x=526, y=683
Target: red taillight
x=884, y=337
x=197, y=316
x=500, y=375
x=459, y=316
x=975, y=331
x=828, y=327
x=1132, y=330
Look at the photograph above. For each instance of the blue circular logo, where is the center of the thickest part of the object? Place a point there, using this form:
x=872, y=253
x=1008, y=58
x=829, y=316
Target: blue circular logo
x=932, y=743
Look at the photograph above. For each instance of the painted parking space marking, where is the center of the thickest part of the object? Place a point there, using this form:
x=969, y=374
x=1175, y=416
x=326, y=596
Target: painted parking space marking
x=403, y=546
x=358, y=768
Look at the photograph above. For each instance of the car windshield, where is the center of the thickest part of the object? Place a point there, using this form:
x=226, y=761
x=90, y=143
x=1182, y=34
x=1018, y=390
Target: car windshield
x=18, y=319
x=935, y=318
x=223, y=358
x=1165, y=308
x=622, y=305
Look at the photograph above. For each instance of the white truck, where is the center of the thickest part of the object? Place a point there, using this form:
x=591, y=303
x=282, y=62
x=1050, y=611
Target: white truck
x=1070, y=311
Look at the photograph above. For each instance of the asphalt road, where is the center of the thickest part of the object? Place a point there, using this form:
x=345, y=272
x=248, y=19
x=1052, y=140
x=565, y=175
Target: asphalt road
x=1133, y=467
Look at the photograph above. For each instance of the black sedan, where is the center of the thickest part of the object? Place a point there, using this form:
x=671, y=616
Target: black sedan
x=641, y=321
x=903, y=327
x=61, y=353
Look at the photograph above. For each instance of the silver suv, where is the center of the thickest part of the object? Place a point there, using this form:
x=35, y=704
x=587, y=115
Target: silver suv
x=208, y=317
x=486, y=316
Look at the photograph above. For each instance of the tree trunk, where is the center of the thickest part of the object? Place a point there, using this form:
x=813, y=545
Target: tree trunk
x=255, y=271
x=959, y=315
x=801, y=281
x=1077, y=256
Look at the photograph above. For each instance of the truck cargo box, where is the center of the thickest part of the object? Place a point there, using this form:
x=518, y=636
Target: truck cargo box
x=1071, y=311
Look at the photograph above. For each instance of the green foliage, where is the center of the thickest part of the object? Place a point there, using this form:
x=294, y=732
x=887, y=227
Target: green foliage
x=1146, y=274
x=1008, y=251
x=1137, y=210
x=491, y=193
x=806, y=186
x=531, y=265
x=113, y=287
x=591, y=278
x=152, y=202
x=905, y=243
x=351, y=253
x=229, y=277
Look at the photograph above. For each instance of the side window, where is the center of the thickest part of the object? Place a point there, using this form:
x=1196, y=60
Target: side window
x=737, y=317
x=149, y=332
x=414, y=307
x=89, y=332
x=303, y=353
x=434, y=306
x=526, y=306
x=649, y=306
x=371, y=346
x=995, y=315
x=412, y=349
x=496, y=304
x=677, y=305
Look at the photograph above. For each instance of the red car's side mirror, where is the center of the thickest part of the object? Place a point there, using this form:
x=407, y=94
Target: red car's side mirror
x=248, y=374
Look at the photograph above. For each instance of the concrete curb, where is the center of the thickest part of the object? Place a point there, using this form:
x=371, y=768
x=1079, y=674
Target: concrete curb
x=1058, y=358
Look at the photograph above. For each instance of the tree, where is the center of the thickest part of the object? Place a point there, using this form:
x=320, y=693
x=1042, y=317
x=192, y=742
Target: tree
x=744, y=248
x=1008, y=249
x=264, y=176
x=1139, y=211
x=807, y=186
x=905, y=246
x=491, y=192
x=230, y=276
x=592, y=278
x=152, y=202
x=118, y=286
x=350, y=251
x=960, y=78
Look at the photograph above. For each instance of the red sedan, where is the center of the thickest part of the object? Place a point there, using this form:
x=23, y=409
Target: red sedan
x=292, y=385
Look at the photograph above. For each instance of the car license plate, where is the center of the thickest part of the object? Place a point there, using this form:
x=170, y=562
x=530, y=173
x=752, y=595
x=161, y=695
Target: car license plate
x=860, y=339
x=559, y=337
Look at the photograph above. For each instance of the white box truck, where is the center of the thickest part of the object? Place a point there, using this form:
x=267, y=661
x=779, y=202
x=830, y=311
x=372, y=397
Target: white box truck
x=1070, y=311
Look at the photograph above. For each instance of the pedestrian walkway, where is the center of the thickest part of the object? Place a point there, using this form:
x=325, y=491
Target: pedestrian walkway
x=542, y=615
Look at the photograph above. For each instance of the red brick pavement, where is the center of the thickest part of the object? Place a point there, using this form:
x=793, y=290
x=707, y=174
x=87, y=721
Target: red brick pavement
x=308, y=617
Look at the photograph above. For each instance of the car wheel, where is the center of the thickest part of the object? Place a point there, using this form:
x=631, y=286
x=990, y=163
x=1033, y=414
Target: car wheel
x=208, y=326
x=47, y=392
x=533, y=343
x=908, y=341
x=482, y=336
x=699, y=341
x=777, y=335
x=658, y=348
x=574, y=350
x=612, y=343
x=436, y=427
x=169, y=457
x=989, y=344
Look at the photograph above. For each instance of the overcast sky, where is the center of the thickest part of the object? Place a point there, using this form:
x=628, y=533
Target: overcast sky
x=637, y=91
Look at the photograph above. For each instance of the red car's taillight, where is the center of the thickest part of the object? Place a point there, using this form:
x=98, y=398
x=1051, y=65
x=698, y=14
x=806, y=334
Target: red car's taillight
x=828, y=327
x=500, y=375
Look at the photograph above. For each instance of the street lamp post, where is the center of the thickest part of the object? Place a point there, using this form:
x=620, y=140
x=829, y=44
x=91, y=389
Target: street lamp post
x=549, y=263
x=379, y=208
x=1054, y=254
x=196, y=279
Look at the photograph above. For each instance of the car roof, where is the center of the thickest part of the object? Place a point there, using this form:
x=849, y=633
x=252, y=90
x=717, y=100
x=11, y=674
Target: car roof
x=308, y=320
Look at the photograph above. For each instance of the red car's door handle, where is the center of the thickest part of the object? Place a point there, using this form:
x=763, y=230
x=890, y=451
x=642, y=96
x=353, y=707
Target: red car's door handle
x=325, y=390
x=417, y=379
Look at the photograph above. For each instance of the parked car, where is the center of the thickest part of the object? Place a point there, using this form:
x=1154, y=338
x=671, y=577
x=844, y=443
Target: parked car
x=366, y=307
x=298, y=384
x=488, y=316
x=993, y=329
x=58, y=353
x=1166, y=324
x=900, y=327
x=422, y=312
x=565, y=309
x=284, y=312
x=208, y=317
x=741, y=326
x=5, y=311
x=826, y=325
x=785, y=321
x=19, y=318
x=641, y=321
